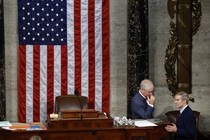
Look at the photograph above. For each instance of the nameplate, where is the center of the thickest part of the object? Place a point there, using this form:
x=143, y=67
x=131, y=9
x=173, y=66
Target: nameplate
x=85, y=113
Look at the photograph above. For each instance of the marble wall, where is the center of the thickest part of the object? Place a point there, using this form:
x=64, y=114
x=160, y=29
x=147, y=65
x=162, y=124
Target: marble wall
x=11, y=44
x=118, y=51
x=158, y=41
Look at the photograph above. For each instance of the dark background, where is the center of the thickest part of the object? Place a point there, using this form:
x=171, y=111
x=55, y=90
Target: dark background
x=2, y=65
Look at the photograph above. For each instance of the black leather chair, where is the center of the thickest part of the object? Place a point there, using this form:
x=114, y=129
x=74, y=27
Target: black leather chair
x=173, y=115
x=70, y=102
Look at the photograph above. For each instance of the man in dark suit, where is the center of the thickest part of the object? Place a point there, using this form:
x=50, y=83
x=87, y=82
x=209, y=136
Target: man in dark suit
x=142, y=104
x=185, y=127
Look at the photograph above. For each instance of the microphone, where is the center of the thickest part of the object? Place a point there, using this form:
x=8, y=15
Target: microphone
x=81, y=106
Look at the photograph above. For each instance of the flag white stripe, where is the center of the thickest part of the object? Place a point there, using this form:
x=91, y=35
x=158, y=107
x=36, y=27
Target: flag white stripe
x=57, y=70
x=43, y=83
x=84, y=47
x=29, y=83
x=45, y=103
x=98, y=55
x=70, y=46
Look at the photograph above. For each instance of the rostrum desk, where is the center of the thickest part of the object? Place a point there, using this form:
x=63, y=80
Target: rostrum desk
x=87, y=129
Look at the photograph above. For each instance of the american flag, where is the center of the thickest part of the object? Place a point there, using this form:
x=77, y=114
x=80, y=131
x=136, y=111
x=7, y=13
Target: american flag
x=63, y=47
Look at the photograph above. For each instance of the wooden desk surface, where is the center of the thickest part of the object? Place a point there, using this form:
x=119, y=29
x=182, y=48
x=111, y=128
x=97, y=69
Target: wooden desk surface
x=85, y=133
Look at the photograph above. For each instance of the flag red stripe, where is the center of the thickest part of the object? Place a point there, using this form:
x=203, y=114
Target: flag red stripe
x=22, y=83
x=64, y=69
x=105, y=57
x=50, y=79
x=36, y=83
x=77, y=42
x=94, y=25
x=91, y=45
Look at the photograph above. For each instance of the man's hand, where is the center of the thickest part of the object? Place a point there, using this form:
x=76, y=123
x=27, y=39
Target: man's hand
x=151, y=99
x=171, y=128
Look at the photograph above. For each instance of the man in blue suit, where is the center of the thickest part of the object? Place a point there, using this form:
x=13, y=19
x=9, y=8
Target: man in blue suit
x=185, y=127
x=142, y=104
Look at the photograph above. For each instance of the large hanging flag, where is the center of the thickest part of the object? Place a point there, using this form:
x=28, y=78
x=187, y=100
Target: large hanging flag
x=63, y=47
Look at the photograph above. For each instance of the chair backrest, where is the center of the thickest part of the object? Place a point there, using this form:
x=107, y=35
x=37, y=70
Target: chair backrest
x=173, y=115
x=70, y=102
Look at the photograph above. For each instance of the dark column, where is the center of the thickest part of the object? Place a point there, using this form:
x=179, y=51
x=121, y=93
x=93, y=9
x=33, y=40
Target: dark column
x=2, y=66
x=186, y=24
x=138, y=63
x=184, y=48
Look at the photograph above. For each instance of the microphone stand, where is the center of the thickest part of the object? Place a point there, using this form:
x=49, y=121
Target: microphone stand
x=81, y=107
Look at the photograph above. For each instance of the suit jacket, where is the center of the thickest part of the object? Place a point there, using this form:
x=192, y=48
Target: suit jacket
x=140, y=108
x=186, y=125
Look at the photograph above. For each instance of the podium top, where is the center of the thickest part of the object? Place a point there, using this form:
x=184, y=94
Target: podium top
x=71, y=119
x=79, y=111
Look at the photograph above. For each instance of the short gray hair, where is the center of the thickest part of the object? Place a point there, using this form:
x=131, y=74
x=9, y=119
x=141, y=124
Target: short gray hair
x=184, y=95
x=146, y=84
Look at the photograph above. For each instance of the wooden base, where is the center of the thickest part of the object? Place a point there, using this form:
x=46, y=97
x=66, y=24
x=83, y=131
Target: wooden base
x=85, y=113
x=102, y=121
x=87, y=129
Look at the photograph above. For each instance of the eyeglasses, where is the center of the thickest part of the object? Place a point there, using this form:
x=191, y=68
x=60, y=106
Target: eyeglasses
x=149, y=91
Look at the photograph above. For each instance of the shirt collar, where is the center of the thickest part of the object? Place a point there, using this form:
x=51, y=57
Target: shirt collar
x=142, y=95
x=183, y=109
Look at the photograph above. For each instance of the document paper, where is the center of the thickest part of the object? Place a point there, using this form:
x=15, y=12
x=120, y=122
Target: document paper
x=144, y=123
x=5, y=123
